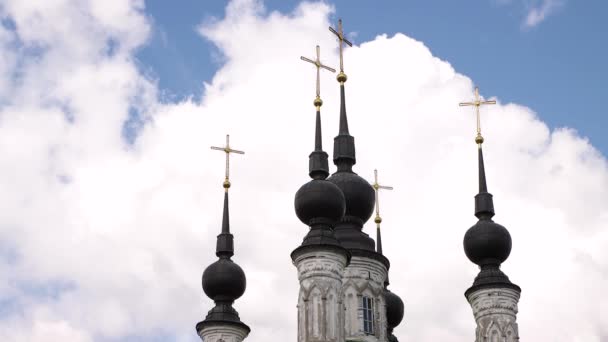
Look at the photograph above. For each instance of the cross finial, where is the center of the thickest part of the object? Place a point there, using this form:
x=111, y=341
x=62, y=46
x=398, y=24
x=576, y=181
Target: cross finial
x=378, y=219
x=227, y=150
x=340, y=34
x=317, y=63
x=477, y=103
x=377, y=187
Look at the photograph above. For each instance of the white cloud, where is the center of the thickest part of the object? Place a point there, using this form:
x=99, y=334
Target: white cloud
x=101, y=239
x=538, y=12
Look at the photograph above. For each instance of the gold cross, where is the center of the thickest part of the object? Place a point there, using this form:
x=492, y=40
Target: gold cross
x=377, y=187
x=318, y=103
x=227, y=150
x=477, y=103
x=340, y=34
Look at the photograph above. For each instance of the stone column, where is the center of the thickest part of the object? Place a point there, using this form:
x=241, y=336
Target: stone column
x=320, y=307
x=495, y=312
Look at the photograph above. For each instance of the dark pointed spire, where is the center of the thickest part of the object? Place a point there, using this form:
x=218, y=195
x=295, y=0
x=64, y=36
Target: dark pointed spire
x=317, y=161
x=344, y=143
x=378, y=240
x=484, y=205
x=225, y=241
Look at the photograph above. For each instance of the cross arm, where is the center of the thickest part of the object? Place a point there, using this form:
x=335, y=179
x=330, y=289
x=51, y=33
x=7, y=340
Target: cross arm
x=340, y=36
x=308, y=60
x=327, y=68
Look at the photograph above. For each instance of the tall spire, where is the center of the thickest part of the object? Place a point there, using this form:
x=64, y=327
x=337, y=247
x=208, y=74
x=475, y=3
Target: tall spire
x=344, y=143
x=358, y=193
x=484, y=206
x=225, y=241
x=394, y=304
x=224, y=281
x=318, y=166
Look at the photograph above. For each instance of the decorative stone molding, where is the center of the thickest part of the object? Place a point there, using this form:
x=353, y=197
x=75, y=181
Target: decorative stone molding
x=320, y=307
x=495, y=312
x=223, y=333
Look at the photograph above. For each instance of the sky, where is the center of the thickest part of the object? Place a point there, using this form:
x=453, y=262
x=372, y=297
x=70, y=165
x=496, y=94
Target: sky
x=111, y=198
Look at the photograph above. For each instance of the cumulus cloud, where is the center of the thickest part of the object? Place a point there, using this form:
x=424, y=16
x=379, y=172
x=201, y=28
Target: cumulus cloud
x=103, y=239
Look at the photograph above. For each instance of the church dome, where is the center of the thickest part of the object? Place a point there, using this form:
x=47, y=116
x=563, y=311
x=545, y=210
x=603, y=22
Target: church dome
x=487, y=243
x=358, y=194
x=394, y=309
x=319, y=199
x=224, y=280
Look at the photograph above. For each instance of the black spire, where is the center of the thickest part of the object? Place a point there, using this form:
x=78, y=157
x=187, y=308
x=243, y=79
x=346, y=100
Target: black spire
x=344, y=143
x=225, y=241
x=378, y=240
x=317, y=164
x=358, y=193
x=487, y=243
x=484, y=205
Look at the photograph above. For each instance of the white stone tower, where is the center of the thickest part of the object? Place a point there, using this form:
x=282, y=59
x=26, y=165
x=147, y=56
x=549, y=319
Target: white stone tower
x=492, y=297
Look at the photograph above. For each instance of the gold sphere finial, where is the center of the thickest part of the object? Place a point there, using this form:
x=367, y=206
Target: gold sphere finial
x=318, y=102
x=378, y=220
x=341, y=77
x=226, y=184
x=479, y=139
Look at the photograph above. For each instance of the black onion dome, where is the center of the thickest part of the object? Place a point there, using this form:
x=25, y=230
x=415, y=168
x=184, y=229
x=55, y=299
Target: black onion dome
x=394, y=309
x=487, y=242
x=319, y=199
x=358, y=194
x=224, y=280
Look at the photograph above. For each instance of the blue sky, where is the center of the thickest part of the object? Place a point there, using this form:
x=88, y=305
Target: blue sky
x=105, y=240
x=557, y=67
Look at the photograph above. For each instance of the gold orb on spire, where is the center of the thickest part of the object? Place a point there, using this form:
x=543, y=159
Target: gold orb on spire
x=318, y=102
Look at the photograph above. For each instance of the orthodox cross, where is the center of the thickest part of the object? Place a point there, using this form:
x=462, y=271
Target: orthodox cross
x=377, y=188
x=342, y=40
x=477, y=103
x=319, y=65
x=227, y=150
